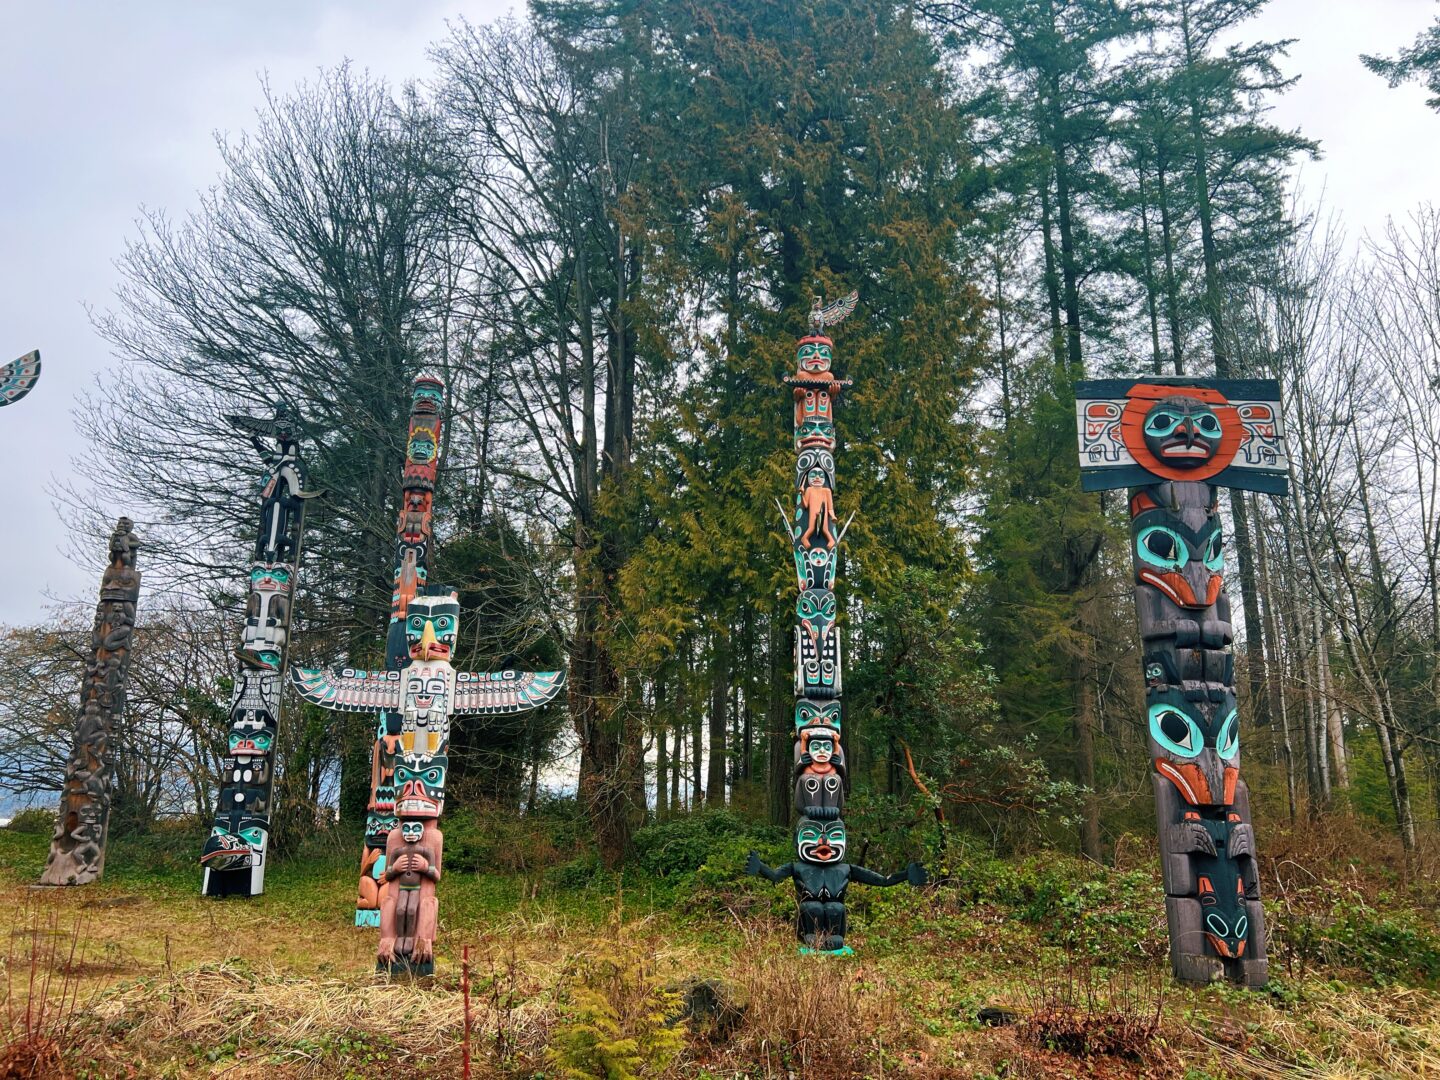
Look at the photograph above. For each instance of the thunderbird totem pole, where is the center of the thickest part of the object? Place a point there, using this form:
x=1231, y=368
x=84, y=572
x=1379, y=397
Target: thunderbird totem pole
x=18, y=377
x=415, y=696
x=820, y=872
x=1173, y=443
x=77, y=851
x=233, y=857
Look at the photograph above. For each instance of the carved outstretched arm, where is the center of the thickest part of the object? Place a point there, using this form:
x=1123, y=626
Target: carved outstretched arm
x=776, y=874
x=913, y=874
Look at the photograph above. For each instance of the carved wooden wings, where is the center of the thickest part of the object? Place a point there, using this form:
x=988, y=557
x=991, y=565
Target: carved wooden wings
x=18, y=377
x=833, y=312
x=476, y=693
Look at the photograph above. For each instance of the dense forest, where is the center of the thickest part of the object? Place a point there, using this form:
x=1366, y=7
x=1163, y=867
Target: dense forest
x=603, y=224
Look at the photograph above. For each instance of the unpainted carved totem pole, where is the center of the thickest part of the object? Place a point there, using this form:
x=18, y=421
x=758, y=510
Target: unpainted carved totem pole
x=77, y=850
x=1174, y=443
x=819, y=871
x=233, y=857
x=18, y=377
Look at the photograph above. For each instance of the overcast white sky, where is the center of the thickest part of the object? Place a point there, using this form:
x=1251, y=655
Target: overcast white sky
x=107, y=106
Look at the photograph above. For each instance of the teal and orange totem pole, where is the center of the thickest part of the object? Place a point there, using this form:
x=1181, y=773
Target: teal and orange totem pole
x=1174, y=443
x=820, y=872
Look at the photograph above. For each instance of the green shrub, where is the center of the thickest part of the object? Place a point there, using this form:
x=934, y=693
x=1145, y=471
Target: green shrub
x=615, y=1020
x=33, y=820
x=684, y=844
x=1389, y=947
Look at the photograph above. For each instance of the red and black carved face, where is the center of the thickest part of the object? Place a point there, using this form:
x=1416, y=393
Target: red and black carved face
x=1182, y=432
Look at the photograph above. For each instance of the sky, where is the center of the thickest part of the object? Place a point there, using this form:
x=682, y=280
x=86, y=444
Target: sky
x=106, y=107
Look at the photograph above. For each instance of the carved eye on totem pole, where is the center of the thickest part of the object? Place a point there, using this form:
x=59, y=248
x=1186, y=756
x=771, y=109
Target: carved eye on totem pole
x=420, y=785
x=1196, y=744
x=1182, y=432
x=820, y=842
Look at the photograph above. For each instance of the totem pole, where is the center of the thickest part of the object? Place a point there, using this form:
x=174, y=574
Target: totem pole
x=18, y=377
x=821, y=874
x=424, y=695
x=1174, y=443
x=412, y=560
x=77, y=850
x=233, y=857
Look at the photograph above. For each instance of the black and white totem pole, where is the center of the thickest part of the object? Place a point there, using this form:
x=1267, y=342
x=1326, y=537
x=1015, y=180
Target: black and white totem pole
x=233, y=857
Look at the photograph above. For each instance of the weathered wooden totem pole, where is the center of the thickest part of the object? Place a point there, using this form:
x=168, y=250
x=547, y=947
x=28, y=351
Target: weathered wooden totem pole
x=233, y=857
x=77, y=850
x=820, y=872
x=18, y=377
x=1174, y=443
x=415, y=696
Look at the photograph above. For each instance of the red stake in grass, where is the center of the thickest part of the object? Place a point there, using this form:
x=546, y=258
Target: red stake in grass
x=465, y=993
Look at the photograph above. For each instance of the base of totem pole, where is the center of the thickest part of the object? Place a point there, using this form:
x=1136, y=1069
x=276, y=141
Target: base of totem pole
x=844, y=950
x=1202, y=969
x=405, y=968
x=221, y=883
x=370, y=919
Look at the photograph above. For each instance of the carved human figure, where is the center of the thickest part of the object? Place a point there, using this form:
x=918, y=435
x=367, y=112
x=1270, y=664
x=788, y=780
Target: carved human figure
x=822, y=877
x=410, y=911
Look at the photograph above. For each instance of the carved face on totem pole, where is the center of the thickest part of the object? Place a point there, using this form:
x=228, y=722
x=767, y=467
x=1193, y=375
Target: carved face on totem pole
x=813, y=355
x=378, y=825
x=267, y=614
x=1181, y=432
x=1225, y=917
x=817, y=714
x=817, y=668
x=820, y=842
x=1178, y=550
x=236, y=842
x=814, y=420
x=420, y=785
x=1195, y=744
x=428, y=693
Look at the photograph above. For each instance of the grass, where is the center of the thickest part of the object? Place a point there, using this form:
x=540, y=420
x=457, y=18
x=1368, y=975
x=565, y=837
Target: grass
x=1070, y=957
